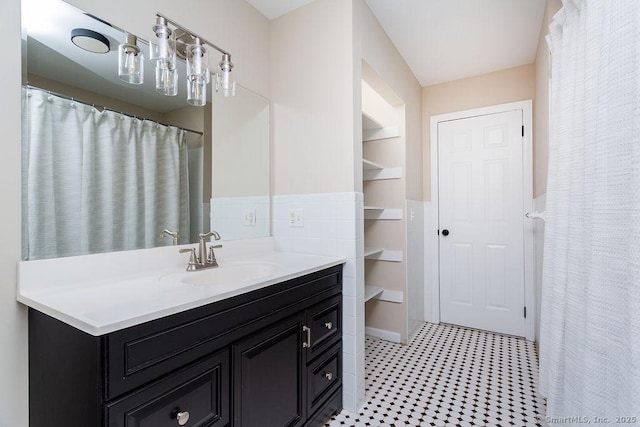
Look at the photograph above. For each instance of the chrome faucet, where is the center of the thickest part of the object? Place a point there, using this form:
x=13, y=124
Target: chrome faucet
x=203, y=259
x=173, y=234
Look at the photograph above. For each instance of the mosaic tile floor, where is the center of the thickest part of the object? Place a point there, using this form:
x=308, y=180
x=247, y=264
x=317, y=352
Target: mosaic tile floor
x=449, y=376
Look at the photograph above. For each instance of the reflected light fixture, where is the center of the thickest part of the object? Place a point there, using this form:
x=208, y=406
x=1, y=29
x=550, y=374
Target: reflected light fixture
x=163, y=53
x=176, y=41
x=224, y=78
x=90, y=40
x=131, y=61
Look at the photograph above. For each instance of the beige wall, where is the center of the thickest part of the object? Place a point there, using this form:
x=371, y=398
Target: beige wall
x=241, y=146
x=13, y=333
x=500, y=87
x=541, y=106
x=233, y=24
x=312, y=99
x=373, y=46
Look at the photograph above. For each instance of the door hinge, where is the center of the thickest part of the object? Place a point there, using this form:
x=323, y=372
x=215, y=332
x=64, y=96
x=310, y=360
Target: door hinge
x=525, y=312
x=523, y=130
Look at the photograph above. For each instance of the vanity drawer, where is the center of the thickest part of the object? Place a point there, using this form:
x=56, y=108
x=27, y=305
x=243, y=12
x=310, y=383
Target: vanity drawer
x=324, y=378
x=325, y=321
x=140, y=354
x=197, y=396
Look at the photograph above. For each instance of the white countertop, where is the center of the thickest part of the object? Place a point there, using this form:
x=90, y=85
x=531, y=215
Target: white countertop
x=103, y=293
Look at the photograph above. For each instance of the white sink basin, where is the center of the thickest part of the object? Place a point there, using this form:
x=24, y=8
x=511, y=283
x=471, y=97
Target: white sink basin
x=231, y=274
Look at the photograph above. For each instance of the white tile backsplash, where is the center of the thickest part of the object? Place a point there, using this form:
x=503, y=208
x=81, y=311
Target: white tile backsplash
x=333, y=226
x=227, y=217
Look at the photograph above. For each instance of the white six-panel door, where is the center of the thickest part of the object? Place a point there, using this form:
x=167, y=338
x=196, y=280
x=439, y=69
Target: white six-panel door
x=480, y=206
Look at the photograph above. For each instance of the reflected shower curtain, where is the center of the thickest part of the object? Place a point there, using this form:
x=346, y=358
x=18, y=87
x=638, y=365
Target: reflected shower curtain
x=98, y=181
x=590, y=321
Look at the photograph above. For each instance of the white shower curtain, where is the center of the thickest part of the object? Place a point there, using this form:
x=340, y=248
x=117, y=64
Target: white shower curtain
x=98, y=181
x=590, y=321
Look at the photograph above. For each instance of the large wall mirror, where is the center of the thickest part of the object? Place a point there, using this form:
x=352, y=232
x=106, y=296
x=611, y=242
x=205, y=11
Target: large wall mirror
x=108, y=165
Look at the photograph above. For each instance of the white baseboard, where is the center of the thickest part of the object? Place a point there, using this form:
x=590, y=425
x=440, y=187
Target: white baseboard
x=382, y=334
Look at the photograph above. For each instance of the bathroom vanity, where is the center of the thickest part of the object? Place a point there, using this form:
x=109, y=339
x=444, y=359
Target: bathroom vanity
x=268, y=353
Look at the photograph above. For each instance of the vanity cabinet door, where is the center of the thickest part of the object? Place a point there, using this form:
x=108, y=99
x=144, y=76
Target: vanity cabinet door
x=268, y=376
x=197, y=396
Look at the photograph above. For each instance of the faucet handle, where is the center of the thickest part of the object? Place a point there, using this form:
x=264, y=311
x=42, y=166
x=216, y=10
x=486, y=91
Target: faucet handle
x=193, y=260
x=211, y=258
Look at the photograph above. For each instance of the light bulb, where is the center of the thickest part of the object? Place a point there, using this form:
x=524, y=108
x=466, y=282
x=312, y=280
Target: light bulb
x=225, y=81
x=197, y=91
x=130, y=61
x=167, y=81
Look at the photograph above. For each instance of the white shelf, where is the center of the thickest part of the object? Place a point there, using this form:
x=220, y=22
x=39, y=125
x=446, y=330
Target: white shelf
x=384, y=133
x=373, y=130
x=370, y=292
x=383, y=254
x=382, y=294
x=371, y=252
x=374, y=212
x=369, y=123
x=383, y=173
x=368, y=165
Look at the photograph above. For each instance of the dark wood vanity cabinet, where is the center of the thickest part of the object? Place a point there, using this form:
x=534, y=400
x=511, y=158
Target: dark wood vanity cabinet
x=271, y=357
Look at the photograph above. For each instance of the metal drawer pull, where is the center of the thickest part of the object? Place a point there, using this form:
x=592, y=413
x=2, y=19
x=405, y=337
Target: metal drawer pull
x=328, y=325
x=182, y=417
x=307, y=343
x=328, y=376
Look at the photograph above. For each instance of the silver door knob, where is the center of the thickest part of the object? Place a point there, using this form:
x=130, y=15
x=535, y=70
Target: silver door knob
x=328, y=376
x=182, y=417
x=328, y=325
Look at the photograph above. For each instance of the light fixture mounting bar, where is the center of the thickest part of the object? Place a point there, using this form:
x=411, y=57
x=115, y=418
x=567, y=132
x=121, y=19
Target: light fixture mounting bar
x=202, y=40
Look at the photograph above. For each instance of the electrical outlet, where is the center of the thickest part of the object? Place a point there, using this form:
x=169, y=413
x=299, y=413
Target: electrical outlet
x=296, y=217
x=249, y=217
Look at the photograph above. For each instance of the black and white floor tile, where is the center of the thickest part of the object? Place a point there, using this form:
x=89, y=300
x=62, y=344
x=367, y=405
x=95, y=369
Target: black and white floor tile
x=449, y=376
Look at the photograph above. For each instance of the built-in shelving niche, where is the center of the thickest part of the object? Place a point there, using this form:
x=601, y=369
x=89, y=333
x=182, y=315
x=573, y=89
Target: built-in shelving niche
x=372, y=130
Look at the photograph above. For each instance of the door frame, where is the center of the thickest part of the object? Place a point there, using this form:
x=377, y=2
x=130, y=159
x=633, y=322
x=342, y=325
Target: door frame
x=432, y=254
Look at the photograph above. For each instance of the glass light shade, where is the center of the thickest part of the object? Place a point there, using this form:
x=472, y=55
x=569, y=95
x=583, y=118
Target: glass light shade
x=130, y=62
x=167, y=81
x=163, y=51
x=197, y=61
x=225, y=81
x=197, y=90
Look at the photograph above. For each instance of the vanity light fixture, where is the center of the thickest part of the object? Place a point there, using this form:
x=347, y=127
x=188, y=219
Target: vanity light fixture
x=224, y=78
x=90, y=40
x=131, y=61
x=197, y=73
x=178, y=41
x=163, y=53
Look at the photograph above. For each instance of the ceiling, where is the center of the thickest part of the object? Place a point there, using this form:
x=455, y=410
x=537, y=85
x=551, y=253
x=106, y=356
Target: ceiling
x=444, y=40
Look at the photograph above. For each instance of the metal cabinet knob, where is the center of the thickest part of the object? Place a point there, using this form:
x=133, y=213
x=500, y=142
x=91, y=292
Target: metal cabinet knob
x=182, y=417
x=328, y=325
x=445, y=232
x=328, y=376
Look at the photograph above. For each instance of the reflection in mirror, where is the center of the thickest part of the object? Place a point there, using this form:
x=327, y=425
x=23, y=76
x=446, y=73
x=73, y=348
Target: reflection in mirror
x=109, y=165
